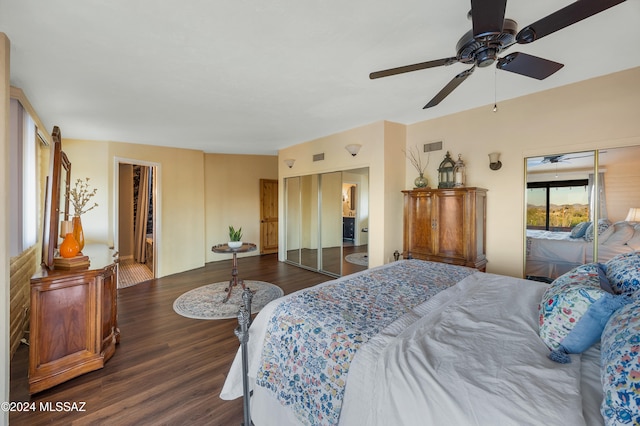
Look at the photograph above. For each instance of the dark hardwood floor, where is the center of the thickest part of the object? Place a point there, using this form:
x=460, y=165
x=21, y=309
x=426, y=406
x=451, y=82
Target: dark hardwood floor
x=168, y=369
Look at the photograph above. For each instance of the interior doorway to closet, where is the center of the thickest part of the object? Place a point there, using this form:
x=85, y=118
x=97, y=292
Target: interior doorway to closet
x=136, y=222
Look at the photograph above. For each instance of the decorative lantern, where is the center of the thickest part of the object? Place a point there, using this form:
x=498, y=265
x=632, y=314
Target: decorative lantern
x=445, y=172
x=459, y=172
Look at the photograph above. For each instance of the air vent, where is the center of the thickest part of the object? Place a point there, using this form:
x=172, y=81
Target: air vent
x=318, y=157
x=433, y=146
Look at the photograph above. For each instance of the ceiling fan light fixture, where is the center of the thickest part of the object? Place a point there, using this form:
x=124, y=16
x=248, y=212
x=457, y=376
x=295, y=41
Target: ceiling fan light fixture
x=491, y=34
x=486, y=57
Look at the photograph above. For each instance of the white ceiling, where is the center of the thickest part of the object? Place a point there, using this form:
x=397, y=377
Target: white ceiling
x=255, y=76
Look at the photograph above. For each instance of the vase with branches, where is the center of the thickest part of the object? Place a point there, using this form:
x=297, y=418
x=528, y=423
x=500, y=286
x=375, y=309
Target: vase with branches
x=79, y=197
x=414, y=157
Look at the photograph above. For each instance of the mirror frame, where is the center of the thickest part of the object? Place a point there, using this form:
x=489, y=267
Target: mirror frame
x=54, y=198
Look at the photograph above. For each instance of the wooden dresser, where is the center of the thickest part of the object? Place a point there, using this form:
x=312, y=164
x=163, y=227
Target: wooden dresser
x=446, y=225
x=73, y=326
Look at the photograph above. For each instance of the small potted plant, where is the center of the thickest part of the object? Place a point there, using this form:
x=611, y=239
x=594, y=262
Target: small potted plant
x=235, y=237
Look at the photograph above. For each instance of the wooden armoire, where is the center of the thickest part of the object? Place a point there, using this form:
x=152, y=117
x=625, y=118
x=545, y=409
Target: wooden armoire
x=446, y=225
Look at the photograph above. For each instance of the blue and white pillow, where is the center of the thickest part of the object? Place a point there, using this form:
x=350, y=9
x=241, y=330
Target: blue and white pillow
x=574, y=310
x=579, y=230
x=620, y=366
x=603, y=231
x=623, y=272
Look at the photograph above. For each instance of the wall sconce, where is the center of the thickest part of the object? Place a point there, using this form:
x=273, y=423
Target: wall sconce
x=289, y=162
x=494, y=161
x=633, y=215
x=353, y=148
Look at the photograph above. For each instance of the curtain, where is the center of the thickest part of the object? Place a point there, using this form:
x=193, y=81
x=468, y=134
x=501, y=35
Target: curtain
x=142, y=215
x=602, y=201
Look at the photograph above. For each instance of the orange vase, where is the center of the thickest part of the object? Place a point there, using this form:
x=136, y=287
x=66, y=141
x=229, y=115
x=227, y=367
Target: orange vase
x=78, y=233
x=69, y=247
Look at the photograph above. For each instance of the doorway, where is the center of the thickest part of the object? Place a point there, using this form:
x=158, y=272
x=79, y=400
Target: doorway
x=137, y=221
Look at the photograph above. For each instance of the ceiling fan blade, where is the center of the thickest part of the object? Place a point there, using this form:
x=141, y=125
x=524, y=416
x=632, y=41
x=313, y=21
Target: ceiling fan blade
x=528, y=65
x=450, y=87
x=414, y=67
x=569, y=15
x=487, y=16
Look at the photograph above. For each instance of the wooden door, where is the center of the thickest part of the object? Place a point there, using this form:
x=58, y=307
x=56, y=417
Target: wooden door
x=268, y=216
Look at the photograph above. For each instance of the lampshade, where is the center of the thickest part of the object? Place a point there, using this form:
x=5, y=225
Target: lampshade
x=289, y=162
x=633, y=215
x=353, y=148
x=494, y=161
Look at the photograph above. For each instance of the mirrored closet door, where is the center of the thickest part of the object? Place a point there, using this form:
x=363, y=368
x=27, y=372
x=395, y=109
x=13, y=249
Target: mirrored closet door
x=580, y=208
x=323, y=211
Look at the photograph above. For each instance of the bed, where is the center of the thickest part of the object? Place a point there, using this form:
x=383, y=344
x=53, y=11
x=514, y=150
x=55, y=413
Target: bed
x=413, y=342
x=551, y=254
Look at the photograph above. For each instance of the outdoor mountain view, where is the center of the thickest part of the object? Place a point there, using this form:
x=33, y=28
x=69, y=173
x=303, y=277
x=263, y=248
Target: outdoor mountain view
x=568, y=206
x=560, y=216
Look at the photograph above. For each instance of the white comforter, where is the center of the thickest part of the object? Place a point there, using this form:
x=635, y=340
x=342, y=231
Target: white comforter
x=468, y=356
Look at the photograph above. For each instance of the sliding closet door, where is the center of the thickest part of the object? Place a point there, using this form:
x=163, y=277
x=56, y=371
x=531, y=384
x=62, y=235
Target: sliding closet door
x=331, y=223
x=292, y=219
x=309, y=231
x=567, y=189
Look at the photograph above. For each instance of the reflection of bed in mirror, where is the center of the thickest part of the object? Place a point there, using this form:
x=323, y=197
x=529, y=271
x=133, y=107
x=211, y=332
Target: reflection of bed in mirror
x=551, y=254
x=564, y=190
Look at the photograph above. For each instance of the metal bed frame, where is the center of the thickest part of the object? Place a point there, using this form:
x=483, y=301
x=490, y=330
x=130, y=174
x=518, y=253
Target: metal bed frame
x=242, y=332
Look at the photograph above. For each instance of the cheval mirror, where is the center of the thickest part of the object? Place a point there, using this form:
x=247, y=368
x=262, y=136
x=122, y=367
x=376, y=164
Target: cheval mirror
x=57, y=198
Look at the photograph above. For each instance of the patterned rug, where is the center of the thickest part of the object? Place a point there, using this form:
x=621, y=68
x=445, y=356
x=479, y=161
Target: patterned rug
x=206, y=302
x=358, y=259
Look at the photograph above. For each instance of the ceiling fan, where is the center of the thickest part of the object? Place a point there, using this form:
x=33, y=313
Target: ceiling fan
x=492, y=34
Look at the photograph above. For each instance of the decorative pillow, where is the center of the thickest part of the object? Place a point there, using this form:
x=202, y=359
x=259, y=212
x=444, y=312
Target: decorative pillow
x=604, y=281
x=622, y=232
x=620, y=362
x=579, y=230
x=603, y=225
x=634, y=242
x=623, y=272
x=574, y=311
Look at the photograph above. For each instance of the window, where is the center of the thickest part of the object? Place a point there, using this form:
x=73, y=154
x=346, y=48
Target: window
x=23, y=206
x=557, y=205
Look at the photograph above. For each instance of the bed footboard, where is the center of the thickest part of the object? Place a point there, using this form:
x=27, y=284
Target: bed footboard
x=242, y=332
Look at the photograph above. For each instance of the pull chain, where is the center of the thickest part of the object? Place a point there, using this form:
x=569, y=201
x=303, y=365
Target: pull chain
x=495, y=90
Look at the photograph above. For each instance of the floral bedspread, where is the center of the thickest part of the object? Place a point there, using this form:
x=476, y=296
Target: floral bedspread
x=312, y=338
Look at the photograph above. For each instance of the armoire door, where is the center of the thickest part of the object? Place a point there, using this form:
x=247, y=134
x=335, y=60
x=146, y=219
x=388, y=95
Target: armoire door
x=419, y=225
x=450, y=224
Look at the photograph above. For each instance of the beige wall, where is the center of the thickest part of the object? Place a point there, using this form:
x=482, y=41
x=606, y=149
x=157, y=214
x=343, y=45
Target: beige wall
x=380, y=141
x=200, y=196
x=232, y=197
x=598, y=113
x=180, y=202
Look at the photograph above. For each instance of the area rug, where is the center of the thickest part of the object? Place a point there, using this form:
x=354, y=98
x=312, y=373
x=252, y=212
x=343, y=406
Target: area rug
x=358, y=259
x=206, y=302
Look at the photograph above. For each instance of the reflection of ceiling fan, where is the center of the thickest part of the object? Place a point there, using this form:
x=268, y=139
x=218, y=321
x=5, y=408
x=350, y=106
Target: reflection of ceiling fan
x=555, y=159
x=492, y=34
